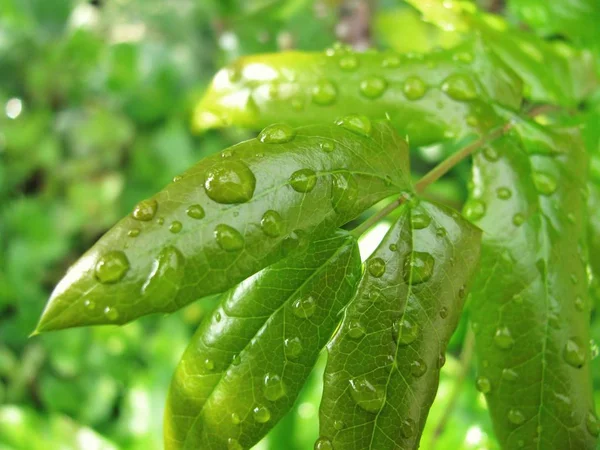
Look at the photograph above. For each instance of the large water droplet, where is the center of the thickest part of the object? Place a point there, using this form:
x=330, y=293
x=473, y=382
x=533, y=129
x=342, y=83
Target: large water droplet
x=503, y=338
x=274, y=388
x=195, y=212
x=261, y=414
x=474, y=209
x=544, y=183
x=344, y=192
x=405, y=332
x=304, y=307
x=376, y=267
x=367, y=396
x=592, y=424
x=418, y=268
x=357, y=123
x=228, y=238
x=303, y=180
x=414, y=88
x=145, y=210
x=293, y=347
x=324, y=93
x=165, y=277
x=483, y=385
x=574, y=352
x=407, y=428
x=230, y=182
x=277, y=133
x=272, y=223
x=111, y=313
x=418, y=368
x=111, y=267
x=348, y=62
x=373, y=86
x=323, y=444
x=516, y=417
x=460, y=87
x=356, y=330
x=420, y=220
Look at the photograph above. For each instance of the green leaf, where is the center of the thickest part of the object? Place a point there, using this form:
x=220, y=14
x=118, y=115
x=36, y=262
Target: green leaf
x=229, y=216
x=530, y=301
x=383, y=367
x=304, y=88
x=247, y=362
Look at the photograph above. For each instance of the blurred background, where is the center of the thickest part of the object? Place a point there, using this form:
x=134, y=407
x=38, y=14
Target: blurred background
x=95, y=105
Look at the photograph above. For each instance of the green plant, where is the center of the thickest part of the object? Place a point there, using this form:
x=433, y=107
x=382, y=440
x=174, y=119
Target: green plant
x=261, y=222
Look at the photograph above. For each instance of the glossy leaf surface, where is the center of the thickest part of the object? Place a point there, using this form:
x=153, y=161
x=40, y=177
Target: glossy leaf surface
x=530, y=300
x=229, y=216
x=246, y=364
x=383, y=366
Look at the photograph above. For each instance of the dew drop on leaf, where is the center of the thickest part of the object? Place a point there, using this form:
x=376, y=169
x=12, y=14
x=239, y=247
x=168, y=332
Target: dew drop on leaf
x=296, y=240
x=483, y=385
x=90, y=305
x=293, y=347
x=348, y=62
x=440, y=232
x=503, y=193
x=323, y=444
x=407, y=428
x=195, y=212
x=209, y=364
x=460, y=87
x=166, y=274
x=356, y=330
x=134, y=232
x=518, y=219
x=491, y=154
x=373, y=86
x=324, y=93
x=367, y=396
x=474, y=209
x=326, y=146
x=443, y=312
x=357, y=123
x=503, y=338
x=579, y=304
x=235, y=419
x=376, y=267
x=271, y=223
x=405, y=332
x=303, y=180
x=274, y=387
x=414, y=88
x=516, y=417
x=418, y=268
x=233, y=444
x=175, y=227
x=111, y=313
x=304, y=307
x=592, y=424
x=277, y=133
x=418, y=368
x=544, y=183
x=574, y=352
x=344, y=191
x=509, y=375
x=338, y=424
x=420, y=220
x=230, y=182
x=391, y=62
x=261, y=414
x=145, y=210
x=228, y=238
x=111, y=267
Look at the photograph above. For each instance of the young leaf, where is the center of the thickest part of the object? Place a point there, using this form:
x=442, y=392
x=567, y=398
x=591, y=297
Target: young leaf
x=426, y=97
x=230, y=216
x=384, y=361
x=530, y=301
x=247, y=363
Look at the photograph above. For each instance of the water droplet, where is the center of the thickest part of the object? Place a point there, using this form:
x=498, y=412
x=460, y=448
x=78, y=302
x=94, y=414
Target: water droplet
x=574, y=352
x=443, y=312
x=376, y=267
x=344, y=192
x=420, y=220
x=295, y=241
x=230, y=182
x=303, y=180
x=544, y=183
x=460, y=87
x=375, y=296
x=491, y=154
x=474, y=209
x=324, y=93
x=357, y=123
x=145, y=210
x=218, y=317
x=209, y=364
x=418, y=268
x=414, y=88
x=228, y=238
x=175, y=227
x=338, y=425
x=441, y=360
x=134, y=232
x=233, y=444
x=160, y=220
x=261, y=414
x=323, y=444
x=405, y=332
x=327, y=146
x=111, y=267
x=304, y=307
x=418, y=368
x=373, y=86
x=407, y=428
x=195, y=212
x=272, y=223
x=235, y=419
x=274, y=387
x=165, y=277
x=503, y=338
x=236, y=360
x=177, y=178
x=440, y=232
x=391, y=62
x=278, y=133
x=516, y=417
x=509, y=375
x=518, y=219
x=592, y=423
x=579, y=304
x=356, y=330
x=293, y=347
x=393, y=247
x=483, y=385
x=90, y=305
x=367, y=396
x=111, y=313
x=348, y=62
x=503, y=193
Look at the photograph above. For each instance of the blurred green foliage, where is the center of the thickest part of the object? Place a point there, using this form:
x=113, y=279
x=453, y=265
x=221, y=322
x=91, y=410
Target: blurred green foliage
x=96, y=101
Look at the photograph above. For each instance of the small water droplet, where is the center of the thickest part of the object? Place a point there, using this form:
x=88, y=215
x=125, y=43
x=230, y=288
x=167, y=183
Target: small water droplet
x=236, y=360
x=303, y=180
x=228, y=238
x=544, y=183
x=261, y=414
x=503, y=338
x=509, y=375
x=278, y=133
x=295, y=241
x=90, y=305
x=420, y=220
x=405, y=332
x=111, y=313
x=209, y=364
x=440, y=232
x=324, y=93
x=175, y=227
x=414, y=88
x=393, y=247
x=418, y=268
x=375, y=296
x=491, y=154
x=474, y=209
x=160, y=220
x=293, y=347
x=304, y=307
x=230, y=182
x=460, y=87
x=373, y=86
x=516, y=417
x=574, y=353
x=376, y=267
x=145, y=210
x=233, y=444
x=443, y=312
x=518, y=219
x=344, y=192
x=134, y=232
x=503, y=193
x=407, y=428
x=177, y=178
x=356, y=330
x=441, y=360
x=357, y=123
x=483, y=385
x=579, y=304
x=111, y=267
x=274, y=388
x=327, y=146
x=323, y=444
x=367, y=396
x=165, y=277
x=272, y=223
x=338, y=424
x=391, y=62
x=348, y=62
x=592, y=424
x=235, y=419
x=418, y=368
x=195, y=212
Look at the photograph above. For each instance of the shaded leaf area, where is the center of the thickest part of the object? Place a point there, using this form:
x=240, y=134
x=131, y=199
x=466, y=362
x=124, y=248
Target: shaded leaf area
x=553, y=72
x=531, y=306
x=384, y=361
x=247, y=362
x=228, y=217
x=428, y=97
